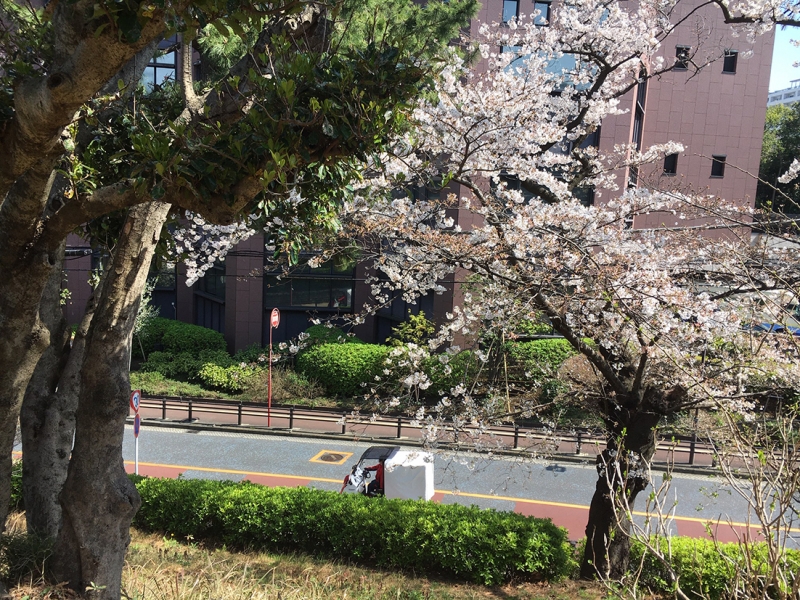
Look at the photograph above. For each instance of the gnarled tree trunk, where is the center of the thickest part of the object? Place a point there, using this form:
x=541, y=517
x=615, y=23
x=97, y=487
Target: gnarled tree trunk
x=623, y=472
x=98, y=500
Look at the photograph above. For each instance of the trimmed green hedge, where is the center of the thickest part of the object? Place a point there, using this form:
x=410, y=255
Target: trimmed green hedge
x=232, y=379
x=484, y=546
x=707, y=569
x=540, y=358
x=342, y=368
x=176, y=337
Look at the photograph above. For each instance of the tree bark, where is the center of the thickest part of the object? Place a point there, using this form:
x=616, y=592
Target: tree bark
x=623, y=472
x=47, y=419
x=98, y=500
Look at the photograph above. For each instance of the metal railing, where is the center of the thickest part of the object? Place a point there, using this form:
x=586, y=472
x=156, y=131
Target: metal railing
x=687, y=450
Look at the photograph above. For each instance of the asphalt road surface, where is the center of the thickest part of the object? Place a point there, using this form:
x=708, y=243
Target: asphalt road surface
x=557, y=490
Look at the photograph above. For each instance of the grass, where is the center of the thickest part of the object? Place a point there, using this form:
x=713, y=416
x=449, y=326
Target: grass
x=162, y=568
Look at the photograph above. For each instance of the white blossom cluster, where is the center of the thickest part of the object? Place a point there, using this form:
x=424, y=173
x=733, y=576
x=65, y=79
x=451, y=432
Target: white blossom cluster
x=201, y=244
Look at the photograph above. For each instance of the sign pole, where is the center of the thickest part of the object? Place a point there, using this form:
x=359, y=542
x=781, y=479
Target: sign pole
x=269, y=381
x=136, y=396
x=274, y=321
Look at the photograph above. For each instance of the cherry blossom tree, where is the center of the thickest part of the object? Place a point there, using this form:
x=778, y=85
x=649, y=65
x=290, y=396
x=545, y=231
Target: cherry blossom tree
x=655, y=314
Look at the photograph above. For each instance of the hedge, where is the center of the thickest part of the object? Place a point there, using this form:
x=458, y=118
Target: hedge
x=707, y=569
x=483, y=546
x=342, y=368
x=540, y=358
x=176, y=336
x=232, y=379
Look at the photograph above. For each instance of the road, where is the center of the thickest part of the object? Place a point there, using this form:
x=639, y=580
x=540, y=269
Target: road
x=557, y=490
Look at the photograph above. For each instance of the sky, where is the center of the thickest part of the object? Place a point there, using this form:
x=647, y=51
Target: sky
x=783, y=57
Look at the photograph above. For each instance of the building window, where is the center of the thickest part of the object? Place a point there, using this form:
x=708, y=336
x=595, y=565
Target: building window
x=682, y=57
x=510, y=10
x=718, y=166
x=670, y=164
x=327, y=286
x=729, y=61
x=543, y=18
x=163, y=67
x=213, y=282
x=638, y=125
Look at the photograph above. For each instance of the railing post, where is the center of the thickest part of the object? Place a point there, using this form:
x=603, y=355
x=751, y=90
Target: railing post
x=163, y=409
x=239, y=414
x=344, y=423
x=291, y=418
x=399, y=427
x=693, y=443
x=578, y=442
x=190, y=409
x=516, y=436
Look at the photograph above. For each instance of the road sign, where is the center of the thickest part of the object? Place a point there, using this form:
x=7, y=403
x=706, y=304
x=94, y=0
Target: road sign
x=275, y=317
x=136, y=395
x=137, y=423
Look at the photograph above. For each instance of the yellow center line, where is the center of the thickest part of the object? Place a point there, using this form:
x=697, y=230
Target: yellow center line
x=450, y=493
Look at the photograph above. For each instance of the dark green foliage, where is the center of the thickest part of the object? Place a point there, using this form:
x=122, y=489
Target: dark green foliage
x=540, y=358
x=342, y=368
x=185, y=366
x=16, y=502
x=254, y=353
x=151, y=335
x=484, y=546
x=320, y=334
x=463, y=369
x=708, y=569
x=781, y=146
x=184, y=337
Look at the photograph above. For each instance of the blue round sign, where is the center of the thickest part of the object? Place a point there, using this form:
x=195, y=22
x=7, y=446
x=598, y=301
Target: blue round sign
x=136, y=396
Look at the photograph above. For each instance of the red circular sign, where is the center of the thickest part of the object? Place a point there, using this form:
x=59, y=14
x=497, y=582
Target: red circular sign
x=275, y=317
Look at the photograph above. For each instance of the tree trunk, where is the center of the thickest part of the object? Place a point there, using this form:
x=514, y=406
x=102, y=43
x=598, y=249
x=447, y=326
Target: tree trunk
x=98, y=500
x=47, y=419
x=623, y=472
x=26, y=268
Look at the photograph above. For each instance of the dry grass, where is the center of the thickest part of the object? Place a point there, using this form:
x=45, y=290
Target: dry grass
x=159, y=568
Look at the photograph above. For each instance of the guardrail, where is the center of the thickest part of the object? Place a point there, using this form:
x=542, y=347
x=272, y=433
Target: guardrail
x=686, y=450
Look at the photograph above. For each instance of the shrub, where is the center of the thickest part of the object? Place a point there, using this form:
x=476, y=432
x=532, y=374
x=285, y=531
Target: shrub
x=287, y=385
x=151, y=335
x=540, y=358
x=708, y=569
x=320, y=334
x=232, y=379
x=184, y=337
x=185, y=366
x=484, y=546
x=155, y=384
x=342, y=368
x=463, y=369
x=254, y=353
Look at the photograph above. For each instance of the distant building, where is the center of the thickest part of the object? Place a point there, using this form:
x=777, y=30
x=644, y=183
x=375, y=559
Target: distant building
x=786, y=95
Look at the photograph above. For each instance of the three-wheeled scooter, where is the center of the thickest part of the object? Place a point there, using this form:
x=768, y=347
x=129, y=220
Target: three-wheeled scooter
x=407, y=474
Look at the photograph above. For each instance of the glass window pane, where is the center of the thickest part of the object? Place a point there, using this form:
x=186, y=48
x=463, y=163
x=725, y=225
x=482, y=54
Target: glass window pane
x=277, y=293
x=509, y=9
x=163, y=75
x=311, y=292
x=342, y=294
x=148, y=78
x=167, y=59
x=543, y=18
